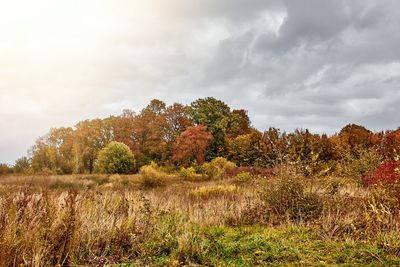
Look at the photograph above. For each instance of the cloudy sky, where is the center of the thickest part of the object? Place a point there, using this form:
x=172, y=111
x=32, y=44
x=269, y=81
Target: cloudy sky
x=314, y=63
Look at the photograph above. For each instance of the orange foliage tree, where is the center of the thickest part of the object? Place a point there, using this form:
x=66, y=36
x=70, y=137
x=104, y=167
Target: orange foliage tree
x=191, y=145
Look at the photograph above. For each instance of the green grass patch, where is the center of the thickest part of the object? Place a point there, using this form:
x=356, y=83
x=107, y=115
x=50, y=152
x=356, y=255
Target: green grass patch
x=261, y=246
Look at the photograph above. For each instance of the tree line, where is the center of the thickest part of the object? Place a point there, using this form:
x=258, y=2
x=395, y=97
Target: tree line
x=188, y=135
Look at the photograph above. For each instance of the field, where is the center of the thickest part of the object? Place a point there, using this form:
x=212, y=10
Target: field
x=170, y=219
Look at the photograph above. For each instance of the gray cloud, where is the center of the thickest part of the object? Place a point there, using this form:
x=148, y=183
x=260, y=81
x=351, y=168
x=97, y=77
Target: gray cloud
x=316, y=64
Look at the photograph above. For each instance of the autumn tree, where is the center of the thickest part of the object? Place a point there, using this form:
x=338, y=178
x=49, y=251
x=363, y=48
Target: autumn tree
x=239, y=123
x=149, y=131
x=191, y=145
x=278, y=146
x=90, y=136
x=390, y=145
x=217, y=117
x=5, y=169
x=301, y=146
x=177, y=120
x=249, y=150
x=123, y=127
x=53, y=152
x=353, y=136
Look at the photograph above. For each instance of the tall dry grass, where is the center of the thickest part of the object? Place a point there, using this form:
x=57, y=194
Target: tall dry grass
x=98, y=220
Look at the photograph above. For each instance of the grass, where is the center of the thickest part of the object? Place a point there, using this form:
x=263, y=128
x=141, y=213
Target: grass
x=266, y=246
x=97, y=220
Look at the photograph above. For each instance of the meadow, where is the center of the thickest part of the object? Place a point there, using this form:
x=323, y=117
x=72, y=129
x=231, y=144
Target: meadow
x=162, y=217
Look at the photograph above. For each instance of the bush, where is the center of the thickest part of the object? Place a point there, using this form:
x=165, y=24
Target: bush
x=190, y=174
x=242, y=178
x=386, y=173
x=152, y=176
x=116, y=157
x=5, y=169
x=288, y=197
x=357, y=166
x=187, y=172
x=218, y=168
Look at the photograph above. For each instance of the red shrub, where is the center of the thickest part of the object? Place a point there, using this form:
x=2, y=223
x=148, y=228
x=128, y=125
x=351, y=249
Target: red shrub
x=387, y=173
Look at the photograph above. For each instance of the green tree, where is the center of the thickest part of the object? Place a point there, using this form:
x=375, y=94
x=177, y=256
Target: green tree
x=217, y=117
x=116, y=157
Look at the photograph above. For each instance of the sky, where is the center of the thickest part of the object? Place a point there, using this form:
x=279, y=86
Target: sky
x=314, y=64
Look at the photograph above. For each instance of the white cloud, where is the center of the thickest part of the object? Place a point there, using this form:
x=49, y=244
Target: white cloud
x=318, y=65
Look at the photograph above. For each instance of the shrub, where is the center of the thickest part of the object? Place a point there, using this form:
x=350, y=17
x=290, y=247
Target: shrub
x=218, y=168
x=5, y=169
x=333, y=187
x=386, y=173
x=359, y=165
x=215, y=191
x=288, y=197
x=242, y=178
x=116, y=157
x=190, y=174
x=151, y=176
x=187, y=172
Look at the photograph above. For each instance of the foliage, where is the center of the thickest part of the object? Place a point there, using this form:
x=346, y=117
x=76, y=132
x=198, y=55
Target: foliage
x=288, y=197
x=249, y=150
x=218, y=168
x=386, y=173
x=152, y=176
x=115, y=158
x=5, y=169
x=242, y=178
x=204, y=130
x=217, y=117
x=191, y=145
x=22, y=165
x=187, y=172
x=353, y=136
x=278, y=146
x=359, y=163
x=391, y=145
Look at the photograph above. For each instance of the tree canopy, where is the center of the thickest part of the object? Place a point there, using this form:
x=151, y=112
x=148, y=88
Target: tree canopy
x=207, y=128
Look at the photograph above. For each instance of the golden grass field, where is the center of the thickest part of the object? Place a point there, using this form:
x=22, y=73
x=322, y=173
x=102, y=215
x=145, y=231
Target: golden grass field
x=134, y=220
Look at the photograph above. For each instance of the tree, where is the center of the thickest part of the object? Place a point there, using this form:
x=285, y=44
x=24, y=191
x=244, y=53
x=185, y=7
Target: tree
x=177, y=120
x=90, y=137
x=4, y=169
x=22, y=165
x=149, y=132
x=217, y=117
x=116, y=157
x=353, y=136
x=390, y=147
x=249, y=150
x=191, y=146
x=278, y=146
x=240, y=123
